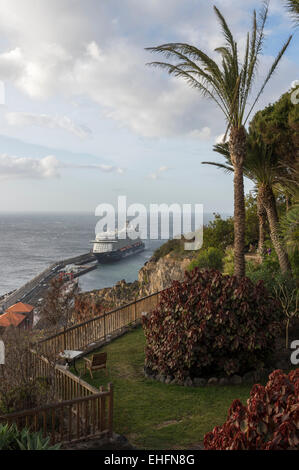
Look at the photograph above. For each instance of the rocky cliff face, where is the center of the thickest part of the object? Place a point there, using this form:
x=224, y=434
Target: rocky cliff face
x=156, y=276
x=153, y=277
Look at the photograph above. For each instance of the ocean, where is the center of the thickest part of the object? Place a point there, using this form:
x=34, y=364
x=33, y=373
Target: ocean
x=29, y=243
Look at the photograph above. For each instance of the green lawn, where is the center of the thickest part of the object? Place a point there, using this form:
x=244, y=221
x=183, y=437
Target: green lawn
x=153, y=415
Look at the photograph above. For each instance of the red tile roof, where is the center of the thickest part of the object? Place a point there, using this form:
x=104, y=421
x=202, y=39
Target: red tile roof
x=11, y=319
x=20, y=308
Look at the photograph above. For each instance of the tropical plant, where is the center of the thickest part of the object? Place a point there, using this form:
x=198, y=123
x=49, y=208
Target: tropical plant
x=262, y=166
x=34, y=441
x=228, y=261
x=268, y=422
x=218, y=233
x=211, y=325
x=229, y=86
x=211, y=258
x=11, y=438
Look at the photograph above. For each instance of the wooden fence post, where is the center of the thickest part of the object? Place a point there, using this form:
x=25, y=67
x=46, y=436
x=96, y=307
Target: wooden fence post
x=110, y=411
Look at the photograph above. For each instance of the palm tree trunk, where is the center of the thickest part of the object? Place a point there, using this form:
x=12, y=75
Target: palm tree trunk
x=237, y=147
x=270, y=206
x=261, y=213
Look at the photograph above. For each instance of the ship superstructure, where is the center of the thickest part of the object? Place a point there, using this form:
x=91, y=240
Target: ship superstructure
x=113, y=246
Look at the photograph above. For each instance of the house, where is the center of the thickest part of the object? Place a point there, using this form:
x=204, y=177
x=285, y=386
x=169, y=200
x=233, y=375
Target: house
x=19, y=315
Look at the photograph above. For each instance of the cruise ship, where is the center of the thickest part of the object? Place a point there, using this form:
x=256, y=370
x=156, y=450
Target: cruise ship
x=113, y=246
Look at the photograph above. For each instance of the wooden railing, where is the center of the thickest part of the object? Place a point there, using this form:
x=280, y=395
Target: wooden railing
x=69, y=420
x=80, y=336
x=80, y=410
x=66, y=385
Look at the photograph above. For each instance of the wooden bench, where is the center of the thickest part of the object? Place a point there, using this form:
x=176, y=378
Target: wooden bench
x=96, y=362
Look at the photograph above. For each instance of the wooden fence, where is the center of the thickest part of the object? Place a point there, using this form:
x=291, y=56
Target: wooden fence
x=80, y=336
x=80, y=410
x=70, y=420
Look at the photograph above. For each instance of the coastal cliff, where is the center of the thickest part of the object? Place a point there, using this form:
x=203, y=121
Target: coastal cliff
x=158, y=275
x=155, y=275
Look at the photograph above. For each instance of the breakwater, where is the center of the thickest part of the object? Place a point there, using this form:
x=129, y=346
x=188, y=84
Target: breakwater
x=36, y=287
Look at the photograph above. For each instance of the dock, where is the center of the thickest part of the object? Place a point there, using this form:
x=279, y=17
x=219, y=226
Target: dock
x=33, y=291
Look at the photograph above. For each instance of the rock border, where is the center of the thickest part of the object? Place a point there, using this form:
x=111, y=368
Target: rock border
x=248, y=378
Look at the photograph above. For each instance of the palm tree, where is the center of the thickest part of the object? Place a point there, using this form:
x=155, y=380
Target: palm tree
x=229, y=86
x=264, y=167
x=293, y=7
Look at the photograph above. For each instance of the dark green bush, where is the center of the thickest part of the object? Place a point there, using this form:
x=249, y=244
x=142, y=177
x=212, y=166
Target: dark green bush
x=211, y=325
x=218, y=233
x=211, y=258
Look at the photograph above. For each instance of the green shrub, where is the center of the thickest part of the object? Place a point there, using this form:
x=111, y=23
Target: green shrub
x=175, y=246
x=211, y=258
x=210, y=325
x=218, y=233
x=13, y=439
x=228, y=261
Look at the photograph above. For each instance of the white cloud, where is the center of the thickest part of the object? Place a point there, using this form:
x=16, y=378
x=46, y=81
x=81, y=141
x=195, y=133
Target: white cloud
x=51, y=122
x=21, y=167
x=202, y=134
x=156, y=175
x=219, y=139
x=75, y=49
x=102, y=167
x=12, y=167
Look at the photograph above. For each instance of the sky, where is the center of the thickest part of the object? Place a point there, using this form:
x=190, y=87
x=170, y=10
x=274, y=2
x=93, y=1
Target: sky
x=83, y=119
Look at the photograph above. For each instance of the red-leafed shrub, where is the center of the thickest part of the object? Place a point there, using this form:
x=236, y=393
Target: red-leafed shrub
x=269, y=422
x=210, y=325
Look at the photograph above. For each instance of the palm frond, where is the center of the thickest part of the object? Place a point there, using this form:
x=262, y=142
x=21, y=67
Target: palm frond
x=177, y=71
x=270, y=73
x=293, y=8
x=225, y=29
x=230, y=83
x=226, y=168
x=256, y=43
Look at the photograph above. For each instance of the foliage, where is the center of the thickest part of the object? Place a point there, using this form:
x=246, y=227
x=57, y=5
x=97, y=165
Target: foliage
x=288, y=297
x=277, y=125
x=268, y=271
x=228, y=261
x=174, y=246
x=293, y=7
x=19, y=388
x=13, y=439
x=211, y=258
x=289, y=226
x=218, y=233
x=268, y=422
x=58, y=305
x=251, y=220
x=211, y=324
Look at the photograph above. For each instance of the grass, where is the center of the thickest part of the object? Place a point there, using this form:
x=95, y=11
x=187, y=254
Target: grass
x=153, y=415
